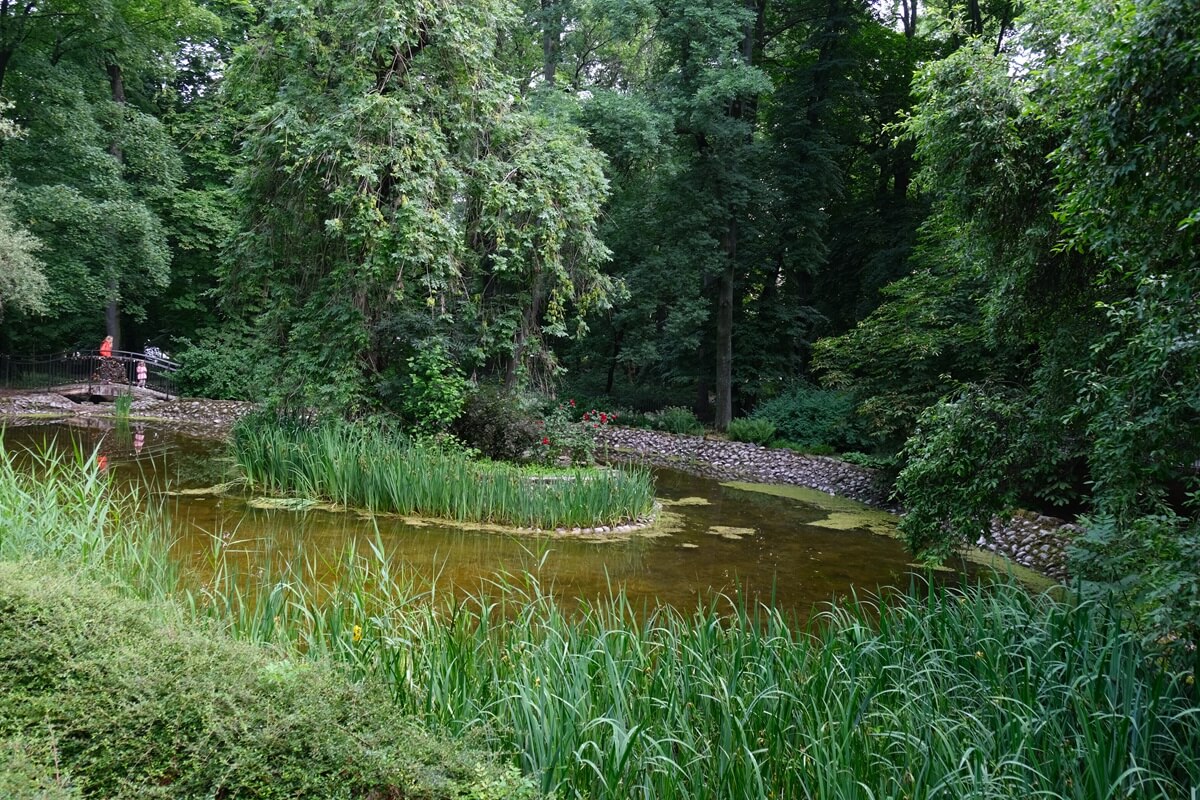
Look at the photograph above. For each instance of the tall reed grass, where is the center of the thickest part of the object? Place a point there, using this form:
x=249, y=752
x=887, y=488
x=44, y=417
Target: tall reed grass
x=372, y=467
x=122, y=405
x=980, y=693
x=984, y=692
x=64, y=509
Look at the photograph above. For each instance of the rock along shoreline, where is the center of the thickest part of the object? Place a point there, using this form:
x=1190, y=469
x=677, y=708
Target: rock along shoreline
x=1032, y=540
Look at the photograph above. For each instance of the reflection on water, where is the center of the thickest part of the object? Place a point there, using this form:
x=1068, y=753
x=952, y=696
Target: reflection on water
x=761, y=544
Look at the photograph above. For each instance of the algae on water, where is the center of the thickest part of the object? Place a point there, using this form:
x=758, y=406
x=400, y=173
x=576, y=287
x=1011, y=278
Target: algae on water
x=879, y=522
x=687, y=501
x=842, y=513
x=730, y=532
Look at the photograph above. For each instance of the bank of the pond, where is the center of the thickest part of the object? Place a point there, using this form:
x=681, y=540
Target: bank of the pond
x=1032, y=540
x=201, y=417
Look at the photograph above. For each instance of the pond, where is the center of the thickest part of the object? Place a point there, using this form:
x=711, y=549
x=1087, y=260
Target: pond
x=713, y=539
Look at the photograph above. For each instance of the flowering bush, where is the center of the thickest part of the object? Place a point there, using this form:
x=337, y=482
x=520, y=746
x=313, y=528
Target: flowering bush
x=566, y=436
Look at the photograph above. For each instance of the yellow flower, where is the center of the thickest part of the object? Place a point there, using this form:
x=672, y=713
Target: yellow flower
x=358, y=633
x=979, y=654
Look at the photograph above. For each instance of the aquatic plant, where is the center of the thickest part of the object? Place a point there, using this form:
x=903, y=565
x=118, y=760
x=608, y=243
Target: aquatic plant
x=122, y=405
x=373, y=467
x=63, y=508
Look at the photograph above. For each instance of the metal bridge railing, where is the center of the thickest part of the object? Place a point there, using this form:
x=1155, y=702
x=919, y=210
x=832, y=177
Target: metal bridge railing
x=86, y=369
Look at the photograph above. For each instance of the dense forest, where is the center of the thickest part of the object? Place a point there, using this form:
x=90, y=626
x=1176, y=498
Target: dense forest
x=956, y=238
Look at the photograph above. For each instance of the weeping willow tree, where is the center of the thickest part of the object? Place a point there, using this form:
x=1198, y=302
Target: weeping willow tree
x=396, y=189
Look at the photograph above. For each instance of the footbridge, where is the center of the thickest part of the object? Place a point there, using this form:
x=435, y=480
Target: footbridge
x=85, y=375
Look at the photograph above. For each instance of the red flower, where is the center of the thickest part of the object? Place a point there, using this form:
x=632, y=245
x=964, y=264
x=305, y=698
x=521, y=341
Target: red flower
x=545, y=440
x=604, y=418
x=572, y=402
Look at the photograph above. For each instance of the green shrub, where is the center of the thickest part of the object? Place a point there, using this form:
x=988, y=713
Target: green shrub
x=675, y=419
x=435, y=392
x=884, y=463
x=500, y=425
x=28, y=772
x=755, y=431
x=565, y=436
x=136, y=707
x=803, y=449
x=813, y=417
x=221, y=366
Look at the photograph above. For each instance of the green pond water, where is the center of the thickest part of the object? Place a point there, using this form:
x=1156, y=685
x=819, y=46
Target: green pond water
x=714, y=539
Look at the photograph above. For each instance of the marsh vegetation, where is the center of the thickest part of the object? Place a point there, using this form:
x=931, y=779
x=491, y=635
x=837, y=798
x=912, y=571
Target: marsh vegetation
x=982, y=691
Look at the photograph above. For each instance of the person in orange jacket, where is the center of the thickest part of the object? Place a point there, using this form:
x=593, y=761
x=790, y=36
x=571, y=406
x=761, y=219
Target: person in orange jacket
x=106, y=347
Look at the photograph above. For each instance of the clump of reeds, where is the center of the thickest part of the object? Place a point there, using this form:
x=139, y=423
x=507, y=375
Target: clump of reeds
x=63, y=508
x=122, y=405
x=375, y=468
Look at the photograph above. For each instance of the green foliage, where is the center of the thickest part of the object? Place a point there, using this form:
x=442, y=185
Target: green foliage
x=28, y=772
x=754, y=430
x=810, y=417
x=94, y=170
x=221, y=365
x=137, y=705
x=436, y=391
x=909, y=352
x=871, y=461
x=1059, y=263
x=675, y=419
x=500, y=425
x=22, y=281
x=958, y=465
x=804, y=449
x=427, y=185
x=362, y=465
x=564, y=436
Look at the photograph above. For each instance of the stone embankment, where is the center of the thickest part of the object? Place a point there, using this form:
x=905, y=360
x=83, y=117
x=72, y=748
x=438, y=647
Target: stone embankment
x=1032, y=540
x=725, y=460
x=199, y=417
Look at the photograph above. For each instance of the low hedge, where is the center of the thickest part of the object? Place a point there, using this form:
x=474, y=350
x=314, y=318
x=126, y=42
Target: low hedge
x=131, y=706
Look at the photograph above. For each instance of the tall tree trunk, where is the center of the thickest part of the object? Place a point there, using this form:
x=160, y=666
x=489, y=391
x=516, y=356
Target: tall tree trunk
x=527, y=329
x=746, y=110
x=723, y=412
x=5, y=57
x=551, y=31
x=112, y=310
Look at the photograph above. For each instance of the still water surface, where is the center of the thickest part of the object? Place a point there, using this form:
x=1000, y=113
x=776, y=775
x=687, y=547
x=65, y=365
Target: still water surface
x=786, y=560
